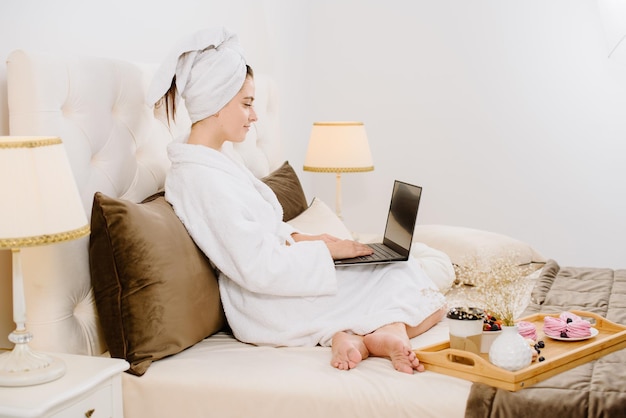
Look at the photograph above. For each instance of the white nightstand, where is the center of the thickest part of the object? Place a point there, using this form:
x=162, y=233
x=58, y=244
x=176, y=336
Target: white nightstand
x=91, y=387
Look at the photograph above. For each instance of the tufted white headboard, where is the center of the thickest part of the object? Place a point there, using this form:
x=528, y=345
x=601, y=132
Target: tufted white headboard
x=116, y=145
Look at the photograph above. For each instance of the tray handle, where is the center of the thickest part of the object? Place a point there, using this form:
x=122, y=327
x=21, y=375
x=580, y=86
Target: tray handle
x=459, y=359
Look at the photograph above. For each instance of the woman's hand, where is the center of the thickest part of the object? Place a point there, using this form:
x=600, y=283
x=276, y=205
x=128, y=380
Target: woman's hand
x=339, y=248
x=347, y=249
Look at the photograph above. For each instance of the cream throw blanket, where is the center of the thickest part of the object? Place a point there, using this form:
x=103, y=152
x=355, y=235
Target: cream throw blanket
x=274, y=293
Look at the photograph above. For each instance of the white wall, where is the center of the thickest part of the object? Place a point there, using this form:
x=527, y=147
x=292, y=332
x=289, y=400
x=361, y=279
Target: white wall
x=140, y=30
x=508, y=113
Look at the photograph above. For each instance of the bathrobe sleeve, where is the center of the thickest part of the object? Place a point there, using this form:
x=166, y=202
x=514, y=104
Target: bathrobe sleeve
x=237, y=222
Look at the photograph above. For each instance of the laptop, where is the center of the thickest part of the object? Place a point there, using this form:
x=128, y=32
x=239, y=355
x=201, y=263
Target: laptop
x=401, y=219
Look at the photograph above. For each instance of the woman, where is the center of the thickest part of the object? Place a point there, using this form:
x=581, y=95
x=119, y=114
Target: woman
x=278, y=287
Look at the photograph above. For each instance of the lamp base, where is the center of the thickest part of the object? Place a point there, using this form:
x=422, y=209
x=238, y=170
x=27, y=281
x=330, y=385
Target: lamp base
x=24, y=367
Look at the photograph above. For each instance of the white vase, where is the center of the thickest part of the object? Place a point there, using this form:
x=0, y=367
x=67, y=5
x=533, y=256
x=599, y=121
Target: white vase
x=510, y=350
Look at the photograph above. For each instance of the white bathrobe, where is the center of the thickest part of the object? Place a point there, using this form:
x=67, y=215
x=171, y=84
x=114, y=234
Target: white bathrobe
x=274, y=293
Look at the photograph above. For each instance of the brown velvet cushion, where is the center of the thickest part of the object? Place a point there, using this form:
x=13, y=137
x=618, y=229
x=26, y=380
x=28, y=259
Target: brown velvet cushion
x=286, y=185
x=155, y=291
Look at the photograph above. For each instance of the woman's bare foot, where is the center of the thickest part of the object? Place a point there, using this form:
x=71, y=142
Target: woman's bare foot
x=348, y=351
x=392, y=341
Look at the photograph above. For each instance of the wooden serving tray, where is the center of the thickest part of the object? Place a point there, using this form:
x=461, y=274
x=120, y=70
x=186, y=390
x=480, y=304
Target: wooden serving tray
x=559, y=355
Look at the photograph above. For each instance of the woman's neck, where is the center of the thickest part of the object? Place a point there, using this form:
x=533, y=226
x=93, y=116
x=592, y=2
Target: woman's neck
x=204, y=133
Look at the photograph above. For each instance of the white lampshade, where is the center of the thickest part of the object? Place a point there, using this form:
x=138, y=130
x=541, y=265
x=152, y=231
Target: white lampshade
x=39, y=205
x=39, y=201
x=338, y=147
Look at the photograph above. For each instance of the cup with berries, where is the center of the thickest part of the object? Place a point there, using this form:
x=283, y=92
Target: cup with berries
x=465, y=325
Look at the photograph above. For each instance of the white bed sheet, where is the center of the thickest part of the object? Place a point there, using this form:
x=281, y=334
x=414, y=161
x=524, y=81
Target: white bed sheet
x=222, y=377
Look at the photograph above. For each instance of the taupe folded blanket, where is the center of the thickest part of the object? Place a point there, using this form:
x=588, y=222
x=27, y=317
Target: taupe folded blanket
x=594, y=389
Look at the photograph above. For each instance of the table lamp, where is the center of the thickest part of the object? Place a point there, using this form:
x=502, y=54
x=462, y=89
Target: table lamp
x=39, y=205
x=338, y=147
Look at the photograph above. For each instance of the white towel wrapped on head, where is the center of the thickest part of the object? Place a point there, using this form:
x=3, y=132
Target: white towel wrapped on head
x=210, y=69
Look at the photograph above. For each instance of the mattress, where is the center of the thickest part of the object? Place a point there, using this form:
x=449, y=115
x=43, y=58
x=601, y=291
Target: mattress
x=225, y=378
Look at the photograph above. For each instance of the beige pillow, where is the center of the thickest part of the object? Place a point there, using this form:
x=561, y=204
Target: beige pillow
x=155, y=291
x=318, y=218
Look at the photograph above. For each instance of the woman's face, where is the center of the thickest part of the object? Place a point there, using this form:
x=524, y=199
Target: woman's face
x=236, y=117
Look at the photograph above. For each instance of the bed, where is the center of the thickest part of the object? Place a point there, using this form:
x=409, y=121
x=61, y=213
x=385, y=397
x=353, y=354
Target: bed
x=139, y=289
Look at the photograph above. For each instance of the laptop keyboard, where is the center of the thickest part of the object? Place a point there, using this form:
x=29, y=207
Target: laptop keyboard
x=381, y=252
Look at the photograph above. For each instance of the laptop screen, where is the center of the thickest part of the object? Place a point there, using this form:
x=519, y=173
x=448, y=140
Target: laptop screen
x=402, y=216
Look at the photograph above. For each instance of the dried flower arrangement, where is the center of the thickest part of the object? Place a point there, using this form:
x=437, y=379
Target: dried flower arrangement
x=501, y=288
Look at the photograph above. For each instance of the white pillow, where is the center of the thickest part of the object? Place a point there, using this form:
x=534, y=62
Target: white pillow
x=467, y=245
x=318, y=218
x=435, y=263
